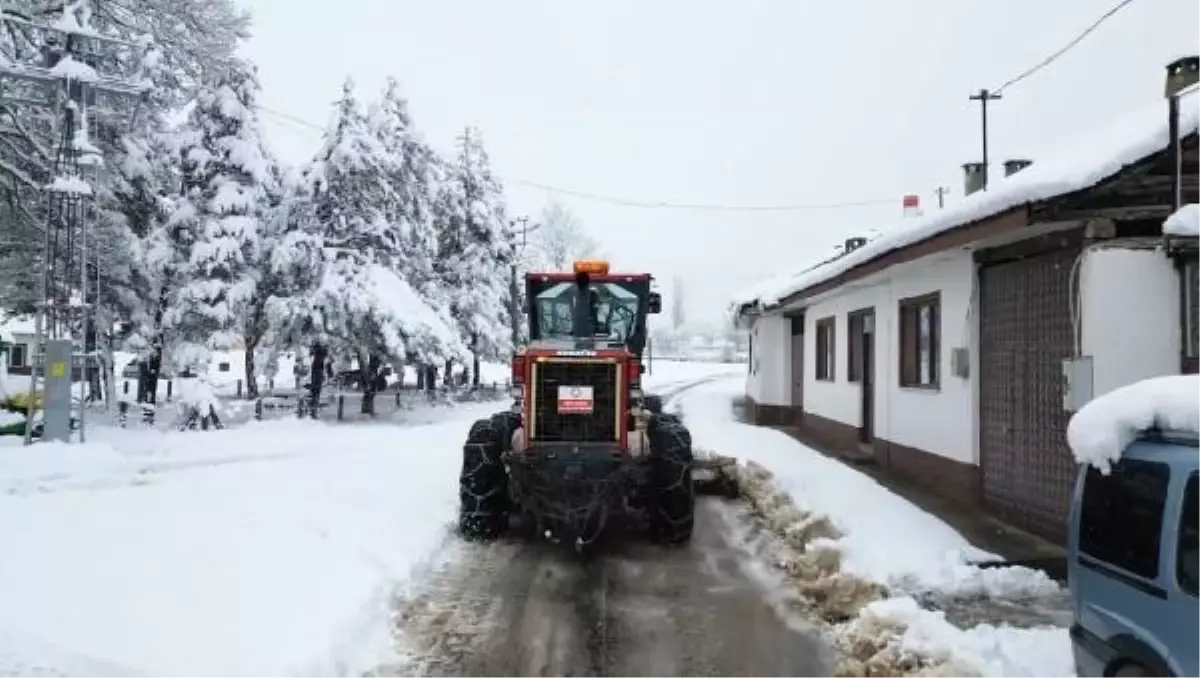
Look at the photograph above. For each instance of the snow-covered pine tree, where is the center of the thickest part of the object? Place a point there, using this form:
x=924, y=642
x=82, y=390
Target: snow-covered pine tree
x=215, y=228
x=364, y=308
x=290, y=267
x=474, y=251
x=412, y=172
x=141, y=199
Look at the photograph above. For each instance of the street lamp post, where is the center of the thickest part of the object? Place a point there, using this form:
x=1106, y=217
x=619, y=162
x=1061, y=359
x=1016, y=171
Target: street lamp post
x=1181, y=74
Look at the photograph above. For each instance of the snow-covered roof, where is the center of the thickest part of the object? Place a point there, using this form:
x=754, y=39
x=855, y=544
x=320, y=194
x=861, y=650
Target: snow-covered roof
x=1102, y=429
x=11, y=327
x=1185, y=222
x=1088, y=162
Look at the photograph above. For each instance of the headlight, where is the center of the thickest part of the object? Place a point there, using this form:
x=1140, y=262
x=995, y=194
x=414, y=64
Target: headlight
x=517, y=392
x=635, y=394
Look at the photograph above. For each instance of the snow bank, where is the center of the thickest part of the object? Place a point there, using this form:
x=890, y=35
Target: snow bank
x=896, y=636
x=860, y=552
x=1091, y=160
x=883, y=538
x=1185, y=222
x=1103, y=428
x=271, y=549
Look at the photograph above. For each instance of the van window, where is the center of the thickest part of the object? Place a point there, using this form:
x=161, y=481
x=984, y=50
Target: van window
x=1122, y=513
x=1189, y=540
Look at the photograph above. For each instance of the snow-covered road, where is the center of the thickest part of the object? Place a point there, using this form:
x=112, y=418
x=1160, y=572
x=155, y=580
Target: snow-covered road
x=287, y=547
x=272, y=549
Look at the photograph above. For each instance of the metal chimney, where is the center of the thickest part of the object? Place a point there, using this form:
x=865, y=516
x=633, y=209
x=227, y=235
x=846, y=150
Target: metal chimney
x=853, y=244
x=974, y=174
x=1011, y=167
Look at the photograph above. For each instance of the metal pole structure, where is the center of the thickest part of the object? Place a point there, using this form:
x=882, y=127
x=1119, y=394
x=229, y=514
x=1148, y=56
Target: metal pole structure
x=39, y=82
x=941, y=192
x=983, y=97
x=42, y=319
x=84, y=317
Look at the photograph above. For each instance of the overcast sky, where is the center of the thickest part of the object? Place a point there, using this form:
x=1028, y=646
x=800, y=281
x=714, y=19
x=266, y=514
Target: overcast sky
x=734, y=103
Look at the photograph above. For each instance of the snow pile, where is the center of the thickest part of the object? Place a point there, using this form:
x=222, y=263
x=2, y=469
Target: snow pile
x=69, y=184
x=1093, y=159
x=71, y=69
x=1184, y=222
x=1102, y=429
x=897, y=637
x=856, y=547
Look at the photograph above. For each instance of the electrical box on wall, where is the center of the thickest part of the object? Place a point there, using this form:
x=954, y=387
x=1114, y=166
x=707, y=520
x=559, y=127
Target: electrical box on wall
x=1077, y=378
x=960, y=362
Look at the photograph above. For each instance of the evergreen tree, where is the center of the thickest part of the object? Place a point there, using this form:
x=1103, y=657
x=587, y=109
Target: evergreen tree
x=138, y=206
x=364, y=307
x=474, y=251
x=214, y=230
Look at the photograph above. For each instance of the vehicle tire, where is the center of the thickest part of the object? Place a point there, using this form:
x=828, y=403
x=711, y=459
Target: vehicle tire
x=673, y=499
x=483, y=483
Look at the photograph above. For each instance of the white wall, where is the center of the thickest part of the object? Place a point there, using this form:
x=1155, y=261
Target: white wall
x=769, y=381
x=942, y=421
x=1129, y=308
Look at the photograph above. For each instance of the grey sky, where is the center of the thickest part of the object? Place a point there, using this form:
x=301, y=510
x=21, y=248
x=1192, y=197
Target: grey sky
x=746, y=102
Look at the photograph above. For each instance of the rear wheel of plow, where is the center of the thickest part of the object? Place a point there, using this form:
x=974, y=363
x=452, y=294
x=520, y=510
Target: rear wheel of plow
x=673, y=499
x=483, y=483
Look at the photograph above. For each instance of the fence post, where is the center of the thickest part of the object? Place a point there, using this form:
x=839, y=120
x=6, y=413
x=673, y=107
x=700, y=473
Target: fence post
x=123, y=409
x=125, y=385
x=258, y=409
x=341, y=406
x=170, y=383
x=397, y=397
x=239, y=388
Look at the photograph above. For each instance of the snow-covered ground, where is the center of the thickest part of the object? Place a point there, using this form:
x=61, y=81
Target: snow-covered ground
x=883, y=540
x=269, y=549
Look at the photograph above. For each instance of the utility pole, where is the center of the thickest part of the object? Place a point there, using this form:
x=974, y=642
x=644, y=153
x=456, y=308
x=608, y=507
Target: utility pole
x=68, y=73
x=941, y=192
x=514, y=285
x=983, y=97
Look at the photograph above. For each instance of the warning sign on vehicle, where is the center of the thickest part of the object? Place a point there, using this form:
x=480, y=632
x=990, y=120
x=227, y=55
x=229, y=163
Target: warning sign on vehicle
x=575, y=400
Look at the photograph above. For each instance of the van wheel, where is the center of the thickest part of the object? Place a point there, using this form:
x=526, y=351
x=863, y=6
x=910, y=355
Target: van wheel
x=1132, y=669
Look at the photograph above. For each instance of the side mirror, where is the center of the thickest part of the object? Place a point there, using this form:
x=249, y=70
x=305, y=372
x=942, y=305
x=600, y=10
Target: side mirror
x=654, y=303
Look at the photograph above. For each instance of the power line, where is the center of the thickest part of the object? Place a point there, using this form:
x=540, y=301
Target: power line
x=642, y=204
x=289, y=116
x=624, y=202
x=1064, y=49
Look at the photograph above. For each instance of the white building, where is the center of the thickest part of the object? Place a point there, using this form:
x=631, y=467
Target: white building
x=938, y=350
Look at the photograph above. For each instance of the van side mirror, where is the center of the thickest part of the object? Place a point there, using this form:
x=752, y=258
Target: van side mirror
x=654, y=303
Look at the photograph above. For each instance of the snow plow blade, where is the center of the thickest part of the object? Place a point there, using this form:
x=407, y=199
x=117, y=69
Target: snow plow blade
x=715, y=475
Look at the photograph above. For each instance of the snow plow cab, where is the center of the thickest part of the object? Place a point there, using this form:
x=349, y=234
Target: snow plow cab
x=580, y=447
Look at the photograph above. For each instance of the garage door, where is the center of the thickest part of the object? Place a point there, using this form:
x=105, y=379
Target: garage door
x=1025, y=332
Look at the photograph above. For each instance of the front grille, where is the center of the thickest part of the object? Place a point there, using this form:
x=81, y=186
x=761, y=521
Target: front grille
x=599, y=425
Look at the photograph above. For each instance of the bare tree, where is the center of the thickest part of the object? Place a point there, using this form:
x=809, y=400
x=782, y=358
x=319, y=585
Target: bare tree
x=560, y=239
